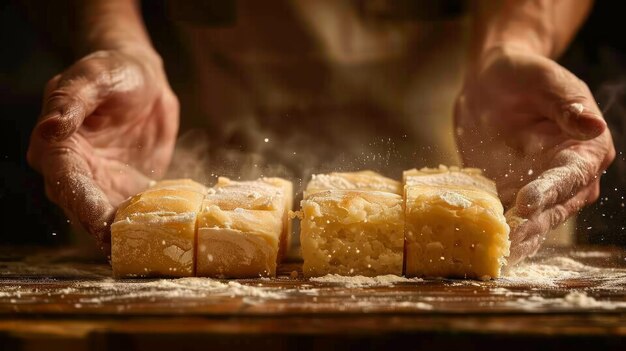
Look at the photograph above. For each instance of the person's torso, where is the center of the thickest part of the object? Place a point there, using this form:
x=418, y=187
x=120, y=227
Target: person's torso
x=296, y=87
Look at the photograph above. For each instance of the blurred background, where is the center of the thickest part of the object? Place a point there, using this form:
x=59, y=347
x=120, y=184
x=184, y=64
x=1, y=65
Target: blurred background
x=33, y=53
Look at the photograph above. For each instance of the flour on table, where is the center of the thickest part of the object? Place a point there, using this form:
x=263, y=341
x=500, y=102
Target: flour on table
x=576, y=300
x=544, y=283
x=360, y=281
x=546, y=273
x=591, y=254
x=186, y=287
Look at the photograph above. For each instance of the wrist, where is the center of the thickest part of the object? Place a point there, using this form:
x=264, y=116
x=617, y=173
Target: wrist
x=138, y=48
x=496, y=52
x=528, y=26
x=514, y=45
x=112, y=25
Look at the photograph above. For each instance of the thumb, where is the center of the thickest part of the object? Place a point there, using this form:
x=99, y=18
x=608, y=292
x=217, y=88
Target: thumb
x=66, y=107
x=579, y=121
x=568, y=102
x=70, y=184
x=72, y=96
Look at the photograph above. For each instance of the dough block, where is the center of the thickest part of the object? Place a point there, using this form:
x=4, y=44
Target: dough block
x=350, y=227
x=271, y=194
x=154, y=232
x=243, y=228
x=455, y=226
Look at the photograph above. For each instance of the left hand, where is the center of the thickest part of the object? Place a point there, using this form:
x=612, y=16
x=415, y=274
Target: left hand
x=535, y=129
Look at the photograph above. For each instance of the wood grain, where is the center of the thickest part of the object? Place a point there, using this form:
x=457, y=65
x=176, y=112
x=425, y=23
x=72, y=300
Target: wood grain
x=58, y=298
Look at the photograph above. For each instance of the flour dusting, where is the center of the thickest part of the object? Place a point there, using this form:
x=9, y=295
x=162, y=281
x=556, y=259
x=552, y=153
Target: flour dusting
x=360, y=281
x=546, y=273
x=570, y=282
x=576, y=300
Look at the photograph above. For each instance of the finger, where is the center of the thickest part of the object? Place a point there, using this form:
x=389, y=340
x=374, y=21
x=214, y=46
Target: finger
x=522, y=228
x=49, y=88
x=74, y=95
x=527, y=235
x=566, y=175
x=525, y=249
x=66, y=107
x=568, y=101
x=70, y=184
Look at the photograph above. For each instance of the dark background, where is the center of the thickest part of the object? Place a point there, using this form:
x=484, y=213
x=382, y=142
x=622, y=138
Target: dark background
x=32, y=54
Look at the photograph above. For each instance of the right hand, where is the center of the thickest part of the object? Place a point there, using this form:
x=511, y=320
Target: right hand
x=107, y=127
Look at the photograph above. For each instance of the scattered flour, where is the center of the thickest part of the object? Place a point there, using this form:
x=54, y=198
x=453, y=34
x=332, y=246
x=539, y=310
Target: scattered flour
x=189, y=287
x=455, y=199
x=547, y=273
x=360, y=281
x=573, y=300
x=591, y=254
x=542, y=284
x=110, y=290
x=507, y=292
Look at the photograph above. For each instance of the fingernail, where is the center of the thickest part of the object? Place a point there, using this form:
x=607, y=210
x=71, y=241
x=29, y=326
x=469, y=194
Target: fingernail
x=590, y=125
x=586, y=123
x=54, y=128
x=49, y=128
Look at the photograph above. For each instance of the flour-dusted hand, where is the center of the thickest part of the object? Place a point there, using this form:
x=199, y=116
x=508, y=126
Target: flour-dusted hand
x=108, y=125
x=536, y=129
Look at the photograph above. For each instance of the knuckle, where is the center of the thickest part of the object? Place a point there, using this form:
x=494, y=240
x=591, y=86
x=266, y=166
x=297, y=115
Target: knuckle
x=65, y=102
x=558, y=215
x=99, y=54
x=530, y=193
x=58, y=97
x=95, y=62
x=86, y=73
x=580, y=169
x=534, y=192
x=171, y=101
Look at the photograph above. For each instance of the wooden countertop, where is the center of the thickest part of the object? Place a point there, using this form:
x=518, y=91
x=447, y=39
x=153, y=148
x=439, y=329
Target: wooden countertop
x=573, y=298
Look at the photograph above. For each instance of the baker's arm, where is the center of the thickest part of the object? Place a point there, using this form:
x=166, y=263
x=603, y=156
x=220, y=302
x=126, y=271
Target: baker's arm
x=108, y=122
x=110, y=25
x=544, y=27
x=531, y=124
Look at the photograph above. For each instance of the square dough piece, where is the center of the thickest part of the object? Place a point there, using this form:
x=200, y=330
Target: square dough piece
x=154, y=232
x=271, y=194
x=455, y=226
x=243, y=228
x=352, y=232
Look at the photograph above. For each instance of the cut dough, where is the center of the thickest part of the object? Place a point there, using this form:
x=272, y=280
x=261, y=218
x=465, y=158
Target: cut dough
x=350, y=227
x=179, y=228
x=243, y=228
x=455, y=226
x=154, y=232
x=443, y=222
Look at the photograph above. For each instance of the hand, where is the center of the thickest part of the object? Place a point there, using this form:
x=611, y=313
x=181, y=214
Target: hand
x=535, y=129
x=107, y=126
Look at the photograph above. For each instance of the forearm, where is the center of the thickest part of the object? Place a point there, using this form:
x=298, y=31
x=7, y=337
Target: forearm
x=544, y=27
x=110, y=25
